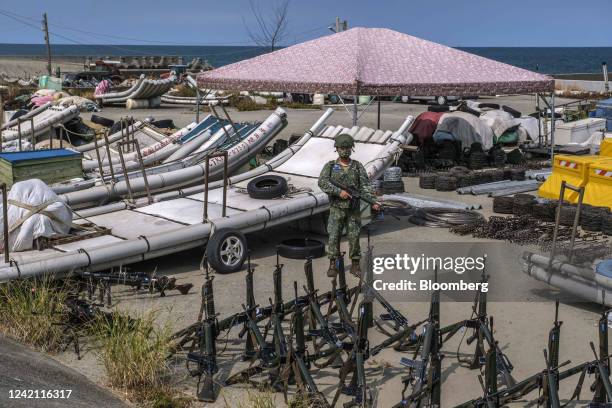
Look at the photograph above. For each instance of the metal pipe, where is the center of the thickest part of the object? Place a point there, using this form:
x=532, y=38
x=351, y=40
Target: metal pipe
x=578, y=282
x=108, y=154
x=125, y=174
x=98, y=156
x=224, y=183
x=378, y=121
x=5, y=225
x=144, y=171
x=355, y=110
x=206, y=188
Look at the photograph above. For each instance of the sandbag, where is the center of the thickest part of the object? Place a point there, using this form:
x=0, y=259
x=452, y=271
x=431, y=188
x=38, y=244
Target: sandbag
x=34, y=211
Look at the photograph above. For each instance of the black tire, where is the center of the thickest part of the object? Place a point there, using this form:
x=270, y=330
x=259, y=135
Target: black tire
x=301, y=248
x=117, y=126
x=488, y=105
x=99, y=120
x=226, y=250
x=163, y=124
x=511, y=111
x=438, y=108
x=267, y=187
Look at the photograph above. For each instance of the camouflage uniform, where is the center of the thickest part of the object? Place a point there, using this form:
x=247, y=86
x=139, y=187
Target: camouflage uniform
x=340, y=213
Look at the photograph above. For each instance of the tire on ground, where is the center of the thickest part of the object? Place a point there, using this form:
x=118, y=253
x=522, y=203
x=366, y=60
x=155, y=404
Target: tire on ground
x=163, y=124
x=267, y=187
x=301, y=248
x=226, y=250
x=99, y=120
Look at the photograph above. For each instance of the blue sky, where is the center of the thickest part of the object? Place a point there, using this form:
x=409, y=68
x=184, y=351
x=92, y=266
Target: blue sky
x=460, y=23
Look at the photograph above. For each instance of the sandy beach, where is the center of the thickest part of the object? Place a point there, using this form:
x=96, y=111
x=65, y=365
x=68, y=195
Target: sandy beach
x=27, y=67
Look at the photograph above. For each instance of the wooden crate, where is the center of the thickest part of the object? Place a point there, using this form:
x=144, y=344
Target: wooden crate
x=50, y=166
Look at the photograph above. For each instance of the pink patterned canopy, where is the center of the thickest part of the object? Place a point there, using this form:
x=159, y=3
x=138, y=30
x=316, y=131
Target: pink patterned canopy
x=375, y=61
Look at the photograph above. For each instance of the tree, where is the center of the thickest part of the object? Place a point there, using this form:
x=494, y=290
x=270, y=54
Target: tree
x=269, y=30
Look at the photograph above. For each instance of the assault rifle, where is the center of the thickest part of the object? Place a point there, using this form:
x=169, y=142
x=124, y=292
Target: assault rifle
x=136, y=280
x=354, y=364
x=206, y=356
x=297, y=363
x=276, y=321
x=355, y=194
x=425, y=374
x=551, y=392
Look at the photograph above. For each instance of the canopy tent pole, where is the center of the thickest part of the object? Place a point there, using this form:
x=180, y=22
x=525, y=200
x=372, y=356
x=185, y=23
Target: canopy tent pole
x=552, y=127
x=378, y=117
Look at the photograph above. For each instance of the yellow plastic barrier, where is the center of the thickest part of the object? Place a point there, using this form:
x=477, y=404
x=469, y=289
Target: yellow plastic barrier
x=573, y=169
x=598, y=190
x=606, y=147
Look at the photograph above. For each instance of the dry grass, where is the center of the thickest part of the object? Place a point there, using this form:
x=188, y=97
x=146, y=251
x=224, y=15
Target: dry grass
x=31, y=311
x=256, y=399
x=133, y=352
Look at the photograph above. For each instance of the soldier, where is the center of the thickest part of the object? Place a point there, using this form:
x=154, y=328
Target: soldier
x=343, y=211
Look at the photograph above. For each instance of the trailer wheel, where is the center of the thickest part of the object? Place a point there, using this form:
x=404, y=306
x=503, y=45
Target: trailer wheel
x=441, y=100
x=267, y=187
x=301, y=248
x=226, y=250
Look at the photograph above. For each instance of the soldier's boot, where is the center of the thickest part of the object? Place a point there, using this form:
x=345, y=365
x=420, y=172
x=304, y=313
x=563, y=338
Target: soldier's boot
x=333, y=270
x=355, y=269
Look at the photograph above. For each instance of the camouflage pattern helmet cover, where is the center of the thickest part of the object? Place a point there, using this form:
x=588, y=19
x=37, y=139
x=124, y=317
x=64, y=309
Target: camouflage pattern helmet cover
x=344, y=140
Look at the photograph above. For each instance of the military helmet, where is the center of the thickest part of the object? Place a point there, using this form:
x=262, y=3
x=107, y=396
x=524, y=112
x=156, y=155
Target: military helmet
x=344, y=140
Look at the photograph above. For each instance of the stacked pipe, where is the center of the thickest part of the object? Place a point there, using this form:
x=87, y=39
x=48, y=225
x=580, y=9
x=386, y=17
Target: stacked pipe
x=503, y=205
x=523, y=204
x=446, y=182
x=591, y=217
x=427, y=181
x=545, y=211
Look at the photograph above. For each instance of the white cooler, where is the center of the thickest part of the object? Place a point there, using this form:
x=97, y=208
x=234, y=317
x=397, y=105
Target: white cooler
x=578, y=131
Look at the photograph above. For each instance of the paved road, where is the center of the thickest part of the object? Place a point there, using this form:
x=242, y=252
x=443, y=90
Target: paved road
x=24, y=369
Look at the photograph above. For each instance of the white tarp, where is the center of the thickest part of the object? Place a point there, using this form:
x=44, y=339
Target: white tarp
x=34, y=210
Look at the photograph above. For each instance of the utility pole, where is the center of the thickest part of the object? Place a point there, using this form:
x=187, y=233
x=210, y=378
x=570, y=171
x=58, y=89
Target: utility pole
x=339, y=26
x=46, y=31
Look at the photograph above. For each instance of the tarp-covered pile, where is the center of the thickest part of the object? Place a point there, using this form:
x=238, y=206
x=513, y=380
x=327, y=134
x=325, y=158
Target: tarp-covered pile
x=34, y=211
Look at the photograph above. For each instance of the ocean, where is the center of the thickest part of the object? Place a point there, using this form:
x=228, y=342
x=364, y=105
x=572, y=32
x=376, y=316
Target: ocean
x=549, y=60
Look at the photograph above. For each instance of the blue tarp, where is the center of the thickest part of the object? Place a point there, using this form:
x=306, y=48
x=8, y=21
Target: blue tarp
x=604, y=110
x=37, y=155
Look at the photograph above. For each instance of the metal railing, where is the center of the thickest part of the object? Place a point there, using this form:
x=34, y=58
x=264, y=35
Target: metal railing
x=136, y=146
x=580, y=191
